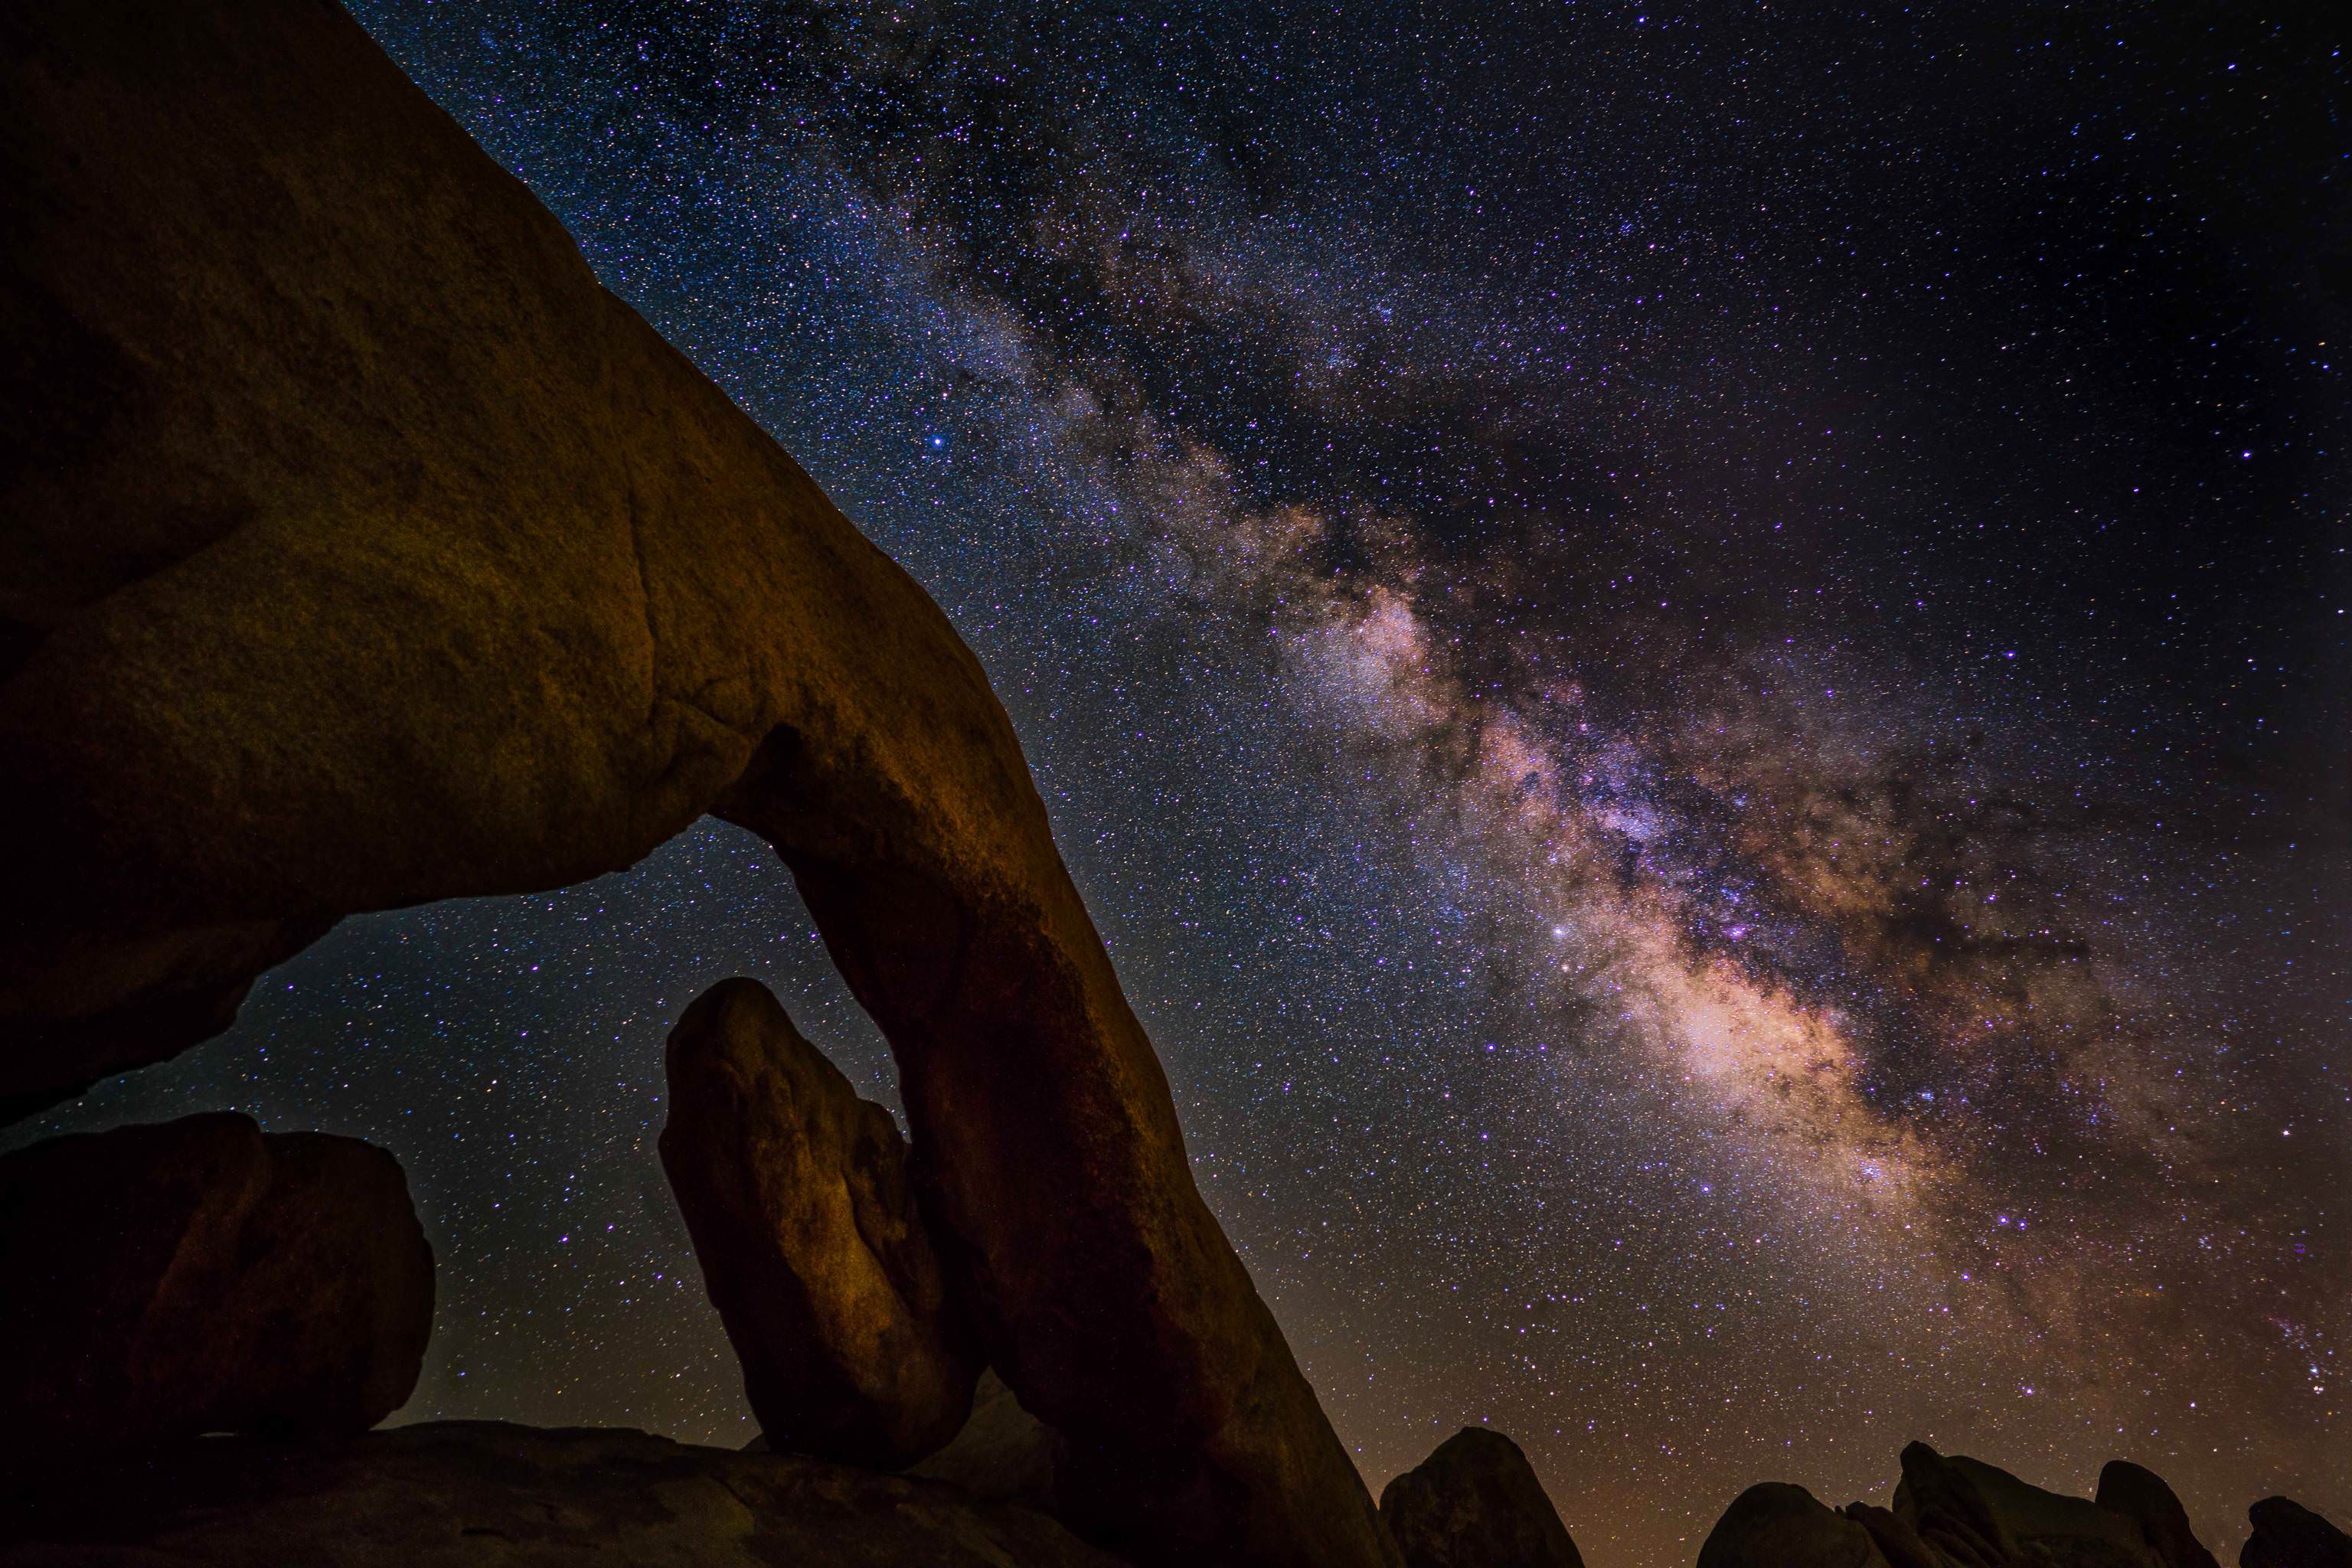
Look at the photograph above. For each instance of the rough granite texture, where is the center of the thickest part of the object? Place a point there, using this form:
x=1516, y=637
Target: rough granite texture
x=362, y=551
x=462, y=1494
x=197, y=1275
x=797, y=1193
x=1476, y=1503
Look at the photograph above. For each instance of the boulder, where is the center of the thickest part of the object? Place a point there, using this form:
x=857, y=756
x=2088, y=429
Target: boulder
x=197, y=1275
x=2288, y=1535
x=1476, y=1503
x=364, y=551
x=2141, y=1495
x=797, y=1193
x=461, y=1494
x=1938, y=1501
x=1979, y=1516
x=1777, y=1525
x=1003, y=1453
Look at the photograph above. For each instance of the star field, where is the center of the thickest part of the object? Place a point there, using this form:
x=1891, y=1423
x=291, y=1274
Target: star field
x=1695, y=660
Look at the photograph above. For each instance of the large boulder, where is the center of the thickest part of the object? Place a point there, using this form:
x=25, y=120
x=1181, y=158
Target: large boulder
x=797, y=1193
x=1476, y=1503
x=362, y=551
x=462, y=1494
x=1777, y=1525
x=195, y=1276
x=2288, y=1535
x=2140, y=1495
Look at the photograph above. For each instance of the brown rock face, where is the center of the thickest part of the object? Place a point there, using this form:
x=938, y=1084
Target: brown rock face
x=362, y=551
x=2141, y=1495
x=1775, y=1525
x=195, y=1276
x=797, y=1193
x=1476, y=1503
x=464, y=1494
x=2289, y=1535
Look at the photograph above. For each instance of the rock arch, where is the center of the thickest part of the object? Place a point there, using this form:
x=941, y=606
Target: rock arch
x=361, y=550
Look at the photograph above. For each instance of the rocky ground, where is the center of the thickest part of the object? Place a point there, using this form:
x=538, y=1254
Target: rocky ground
x=472, y=1493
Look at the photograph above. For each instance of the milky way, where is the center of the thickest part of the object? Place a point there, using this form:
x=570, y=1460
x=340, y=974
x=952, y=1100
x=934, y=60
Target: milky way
x=1693, y=659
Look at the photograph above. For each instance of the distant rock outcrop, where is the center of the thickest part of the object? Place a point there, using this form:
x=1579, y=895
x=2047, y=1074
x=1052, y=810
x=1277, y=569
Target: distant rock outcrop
x=195, y=1276
x=2140, y=1495
x=458, y=1494
x=1777, y=1525
x=1004, y=1454
x=2289, y=1535
x=1979, y=1516
x=1476, y=1503
x=797, y=1193
x=1959, y=1513
x=364, y=551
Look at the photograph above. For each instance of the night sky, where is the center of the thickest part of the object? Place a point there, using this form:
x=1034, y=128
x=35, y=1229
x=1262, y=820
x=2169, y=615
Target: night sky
x=1694, y=658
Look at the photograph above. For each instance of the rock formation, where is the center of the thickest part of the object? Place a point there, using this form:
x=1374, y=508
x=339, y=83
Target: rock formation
x=197, y=1275
x=457, y=1494
x=1004, y=1454
x=2141, y=1495
x=1476, y=1503
x=797, y=1193
x=1959, y=1513
x=1775, y=1525
x=2289, y=1535
x=1979, y=1516
x=1896, y=1541
x=362, y=551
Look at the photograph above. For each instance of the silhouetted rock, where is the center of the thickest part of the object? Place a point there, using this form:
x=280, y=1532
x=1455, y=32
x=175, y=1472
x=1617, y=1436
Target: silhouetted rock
x=1476, y=1503
x=457, y=1494
x=194, y=1275
x=795, y=1192
x=2288, y=1535
x=1003, y=1453
x=1979, y=1516
x=1777, y=1525
x=1937, y=1500
x=365, y=551
x=1896, y=1541
x=2141, y=1495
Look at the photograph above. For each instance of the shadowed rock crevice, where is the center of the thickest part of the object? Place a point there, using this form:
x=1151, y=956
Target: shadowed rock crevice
x=396, y=560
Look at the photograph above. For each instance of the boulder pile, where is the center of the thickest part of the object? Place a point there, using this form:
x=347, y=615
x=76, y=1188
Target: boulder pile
x=1959, y=1513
